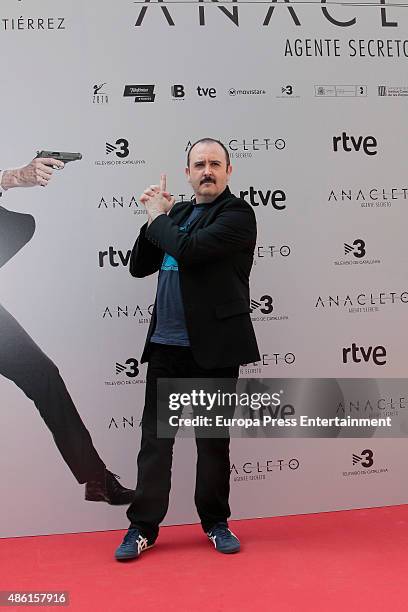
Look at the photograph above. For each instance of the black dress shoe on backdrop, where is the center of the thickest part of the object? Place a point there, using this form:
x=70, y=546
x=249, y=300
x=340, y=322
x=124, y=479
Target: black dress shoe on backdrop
x=108, y=489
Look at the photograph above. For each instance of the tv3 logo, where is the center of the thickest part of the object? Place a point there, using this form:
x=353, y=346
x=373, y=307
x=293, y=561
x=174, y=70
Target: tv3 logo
x=266, y=301
x=367, y=455
x=121, y=148
x=358, y=251
x=130, y=368
x=287, y=89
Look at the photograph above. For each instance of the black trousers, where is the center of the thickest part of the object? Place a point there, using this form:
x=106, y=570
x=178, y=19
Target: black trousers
x=155, y=457
x=23, y=362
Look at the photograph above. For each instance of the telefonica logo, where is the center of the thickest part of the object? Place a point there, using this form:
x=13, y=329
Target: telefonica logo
x=140, y=93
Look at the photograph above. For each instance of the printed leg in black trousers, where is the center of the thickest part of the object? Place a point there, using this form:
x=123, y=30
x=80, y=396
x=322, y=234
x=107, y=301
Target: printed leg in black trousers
x=23, y=362
x=155, y=457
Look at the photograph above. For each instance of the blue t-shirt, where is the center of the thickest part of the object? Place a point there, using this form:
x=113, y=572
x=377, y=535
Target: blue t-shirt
x=170, y=319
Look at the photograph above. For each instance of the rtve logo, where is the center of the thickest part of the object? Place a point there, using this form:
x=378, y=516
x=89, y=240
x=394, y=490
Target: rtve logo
x=111, y=255
x=377, y=354
x=349, y=144
x=274, y=197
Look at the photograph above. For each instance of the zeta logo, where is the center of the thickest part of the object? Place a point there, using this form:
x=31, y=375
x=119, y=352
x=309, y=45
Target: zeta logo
x=141, y=93
x=266, y=302
x=121, y=148
x=365, y=458
x=178, y=92
x=130, y=368
x=357, y=248
x=100, y=96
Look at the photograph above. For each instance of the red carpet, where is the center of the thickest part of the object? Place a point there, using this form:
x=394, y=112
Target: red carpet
x=340, y=561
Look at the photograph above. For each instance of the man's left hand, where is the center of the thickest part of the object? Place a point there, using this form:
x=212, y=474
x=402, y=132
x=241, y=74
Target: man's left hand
x=158, y=204
x=157, y=200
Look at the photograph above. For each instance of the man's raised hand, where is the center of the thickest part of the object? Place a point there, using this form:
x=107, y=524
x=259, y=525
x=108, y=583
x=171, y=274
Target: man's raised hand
x=160, y=190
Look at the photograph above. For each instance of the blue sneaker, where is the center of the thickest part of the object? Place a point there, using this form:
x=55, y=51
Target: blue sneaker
x=133, y=544
x=223, y=539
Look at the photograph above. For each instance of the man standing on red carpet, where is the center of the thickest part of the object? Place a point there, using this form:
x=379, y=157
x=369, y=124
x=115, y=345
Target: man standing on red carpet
x=200, y=328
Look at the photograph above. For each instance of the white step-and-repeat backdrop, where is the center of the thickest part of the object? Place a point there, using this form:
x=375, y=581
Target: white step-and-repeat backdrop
x=311, y=100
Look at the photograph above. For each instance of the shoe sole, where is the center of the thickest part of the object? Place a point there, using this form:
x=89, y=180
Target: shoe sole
x=102, y=498
x=227, y=552
x=130, y=557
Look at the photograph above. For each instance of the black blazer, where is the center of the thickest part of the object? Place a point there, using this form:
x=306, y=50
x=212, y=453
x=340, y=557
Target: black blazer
x=215, y=259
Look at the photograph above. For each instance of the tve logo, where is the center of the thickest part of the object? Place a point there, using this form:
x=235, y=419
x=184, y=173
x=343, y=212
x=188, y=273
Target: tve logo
x=348, y=143
x=207, y=92
x=377, y=354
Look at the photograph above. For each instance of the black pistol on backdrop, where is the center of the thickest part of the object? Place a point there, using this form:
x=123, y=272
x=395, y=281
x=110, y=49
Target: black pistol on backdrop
x=60, y=155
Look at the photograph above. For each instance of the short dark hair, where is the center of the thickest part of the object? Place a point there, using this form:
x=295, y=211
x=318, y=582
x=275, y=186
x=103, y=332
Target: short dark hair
x=223, y=147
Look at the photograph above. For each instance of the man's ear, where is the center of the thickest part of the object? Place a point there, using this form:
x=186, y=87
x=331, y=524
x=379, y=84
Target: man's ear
x=229, y=170
x=187, y=172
